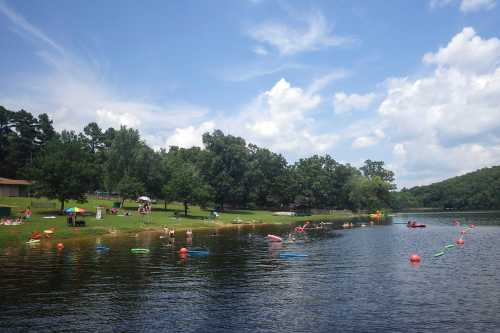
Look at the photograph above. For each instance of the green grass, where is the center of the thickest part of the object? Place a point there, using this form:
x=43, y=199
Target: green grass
x=197, y=218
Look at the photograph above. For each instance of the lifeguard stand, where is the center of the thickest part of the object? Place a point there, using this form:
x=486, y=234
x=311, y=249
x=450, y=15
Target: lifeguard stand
x=99, y=213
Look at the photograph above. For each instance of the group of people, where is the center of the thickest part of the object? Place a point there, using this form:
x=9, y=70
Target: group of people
x=144, y=208
x=9, y=221
x=411, y=224
x=171, y=232
x=115, y=211
x=25, y=216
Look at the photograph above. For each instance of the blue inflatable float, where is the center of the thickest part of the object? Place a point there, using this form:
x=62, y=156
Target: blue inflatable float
x=101, y=248
x=198, y=253
x=292, y=255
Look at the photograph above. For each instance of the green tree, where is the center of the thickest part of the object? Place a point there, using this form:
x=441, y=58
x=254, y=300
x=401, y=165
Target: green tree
x=21, y=146
x=22, y=136
x=368, y=193
x=376, y=169
x=319, y=182
x=62, y=170
x=121, y=154
x=226, y=167
x=45, y=130
x=6, y=131
x=186, y=185
x=265, y=175
x=475, y=190
x=94, y=136
x=129, y=188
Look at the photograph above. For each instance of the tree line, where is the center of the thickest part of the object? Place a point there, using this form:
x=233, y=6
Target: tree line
x=227, y=172
x=475, y=190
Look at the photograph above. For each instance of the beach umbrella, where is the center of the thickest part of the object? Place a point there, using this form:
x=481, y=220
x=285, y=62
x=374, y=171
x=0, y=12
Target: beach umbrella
x=74, y=210
x=144, y=198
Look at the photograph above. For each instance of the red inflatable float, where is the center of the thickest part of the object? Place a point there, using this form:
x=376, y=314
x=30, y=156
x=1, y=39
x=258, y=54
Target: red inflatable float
x=414, y=258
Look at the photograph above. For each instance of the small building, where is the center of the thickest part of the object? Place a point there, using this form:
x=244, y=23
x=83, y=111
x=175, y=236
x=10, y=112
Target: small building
x=14, y=187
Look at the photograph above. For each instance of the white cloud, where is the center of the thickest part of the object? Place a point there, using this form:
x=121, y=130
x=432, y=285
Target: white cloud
x=476, y=5
x=74, y=98
x=448, y=121
x=466, y=6
x=290, y=40
x=365, y=141
x=190, y=136
x=27, y=29
x=343, y=103
x=72, y=91
x=278, y=119
x=250, y=72
x=323, y=81
x=439, y=3
x=260, y=51
x=467, y=52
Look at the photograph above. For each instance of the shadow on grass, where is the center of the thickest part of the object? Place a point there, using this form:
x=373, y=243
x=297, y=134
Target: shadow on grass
x=193, y=217
x=50, y=212
x=238, y=212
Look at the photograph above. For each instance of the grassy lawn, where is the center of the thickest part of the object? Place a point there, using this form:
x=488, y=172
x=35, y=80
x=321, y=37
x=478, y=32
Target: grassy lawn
x=197, y=218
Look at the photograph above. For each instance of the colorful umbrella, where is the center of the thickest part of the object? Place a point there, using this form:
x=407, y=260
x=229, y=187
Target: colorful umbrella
x=74, y=210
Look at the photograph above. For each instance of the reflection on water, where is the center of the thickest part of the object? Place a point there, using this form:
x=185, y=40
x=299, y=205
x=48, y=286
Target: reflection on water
x=357, y=280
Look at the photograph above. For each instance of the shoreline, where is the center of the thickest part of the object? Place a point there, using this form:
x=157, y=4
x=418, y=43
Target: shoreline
x=197, y=219
x=77, y=235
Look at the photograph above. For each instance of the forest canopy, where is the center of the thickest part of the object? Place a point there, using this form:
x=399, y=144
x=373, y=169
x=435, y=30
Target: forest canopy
x=475, y=190
x=226, y=172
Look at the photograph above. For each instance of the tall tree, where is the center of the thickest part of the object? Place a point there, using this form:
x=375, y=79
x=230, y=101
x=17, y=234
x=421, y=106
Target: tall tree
x=318, y=182
x=226, y=167
x=62, y=170
x=376, y=168
x=369, y=193
x=129, y=188
x=186, y=184
x=45, y=130
x=121, y=156
x=266, y=171
x=6, y=131
x=95, y=137
x=22, y=137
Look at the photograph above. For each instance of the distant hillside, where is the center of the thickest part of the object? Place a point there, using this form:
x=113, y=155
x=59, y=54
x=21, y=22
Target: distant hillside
x=476, y=190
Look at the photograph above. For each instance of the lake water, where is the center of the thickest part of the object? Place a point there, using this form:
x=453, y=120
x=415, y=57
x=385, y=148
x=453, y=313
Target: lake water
x=353, y=280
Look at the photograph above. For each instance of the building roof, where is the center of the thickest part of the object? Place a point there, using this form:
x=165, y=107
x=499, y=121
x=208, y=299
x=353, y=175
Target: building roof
x=8, y=181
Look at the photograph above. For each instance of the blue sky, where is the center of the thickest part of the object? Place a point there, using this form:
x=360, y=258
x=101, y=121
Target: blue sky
x=413, y=83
